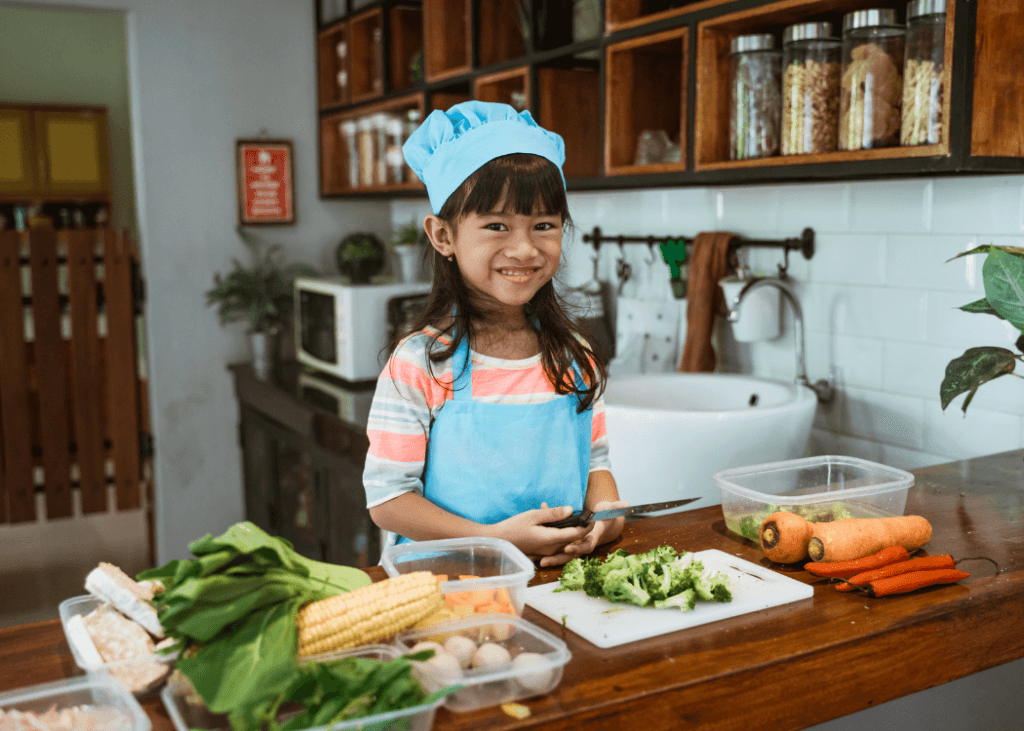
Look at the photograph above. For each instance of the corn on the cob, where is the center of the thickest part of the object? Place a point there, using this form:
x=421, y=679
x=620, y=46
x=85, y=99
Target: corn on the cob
x=368, y=614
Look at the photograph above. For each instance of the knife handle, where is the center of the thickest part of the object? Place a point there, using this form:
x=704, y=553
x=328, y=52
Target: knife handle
x=579, y=518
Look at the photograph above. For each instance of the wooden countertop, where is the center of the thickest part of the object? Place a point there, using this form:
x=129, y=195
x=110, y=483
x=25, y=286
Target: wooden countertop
x=796, y=665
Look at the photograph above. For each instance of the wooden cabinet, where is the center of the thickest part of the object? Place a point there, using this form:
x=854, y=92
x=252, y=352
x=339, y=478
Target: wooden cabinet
x=656, y=77
x=54, y=153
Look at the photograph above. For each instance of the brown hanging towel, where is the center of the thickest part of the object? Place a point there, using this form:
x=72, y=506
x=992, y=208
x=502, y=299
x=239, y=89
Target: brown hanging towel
x=708, y=264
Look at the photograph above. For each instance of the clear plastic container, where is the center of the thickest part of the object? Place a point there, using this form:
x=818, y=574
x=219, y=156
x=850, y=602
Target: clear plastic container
x=189, y=713
x=818, y=488
x=498, y=563
x=812, y=67
x=491, y=686
x=872, y=83
x=142, y=675
x=99, y=693
x=755, y=117
x=922, y=74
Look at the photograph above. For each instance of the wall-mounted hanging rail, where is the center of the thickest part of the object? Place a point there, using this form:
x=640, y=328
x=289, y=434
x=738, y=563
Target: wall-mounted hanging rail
x=804, y=243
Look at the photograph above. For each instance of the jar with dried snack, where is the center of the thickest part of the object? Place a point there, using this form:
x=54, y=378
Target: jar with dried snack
x=922, y=74
x=755, y=113
x=872, y=81
x=812, y=66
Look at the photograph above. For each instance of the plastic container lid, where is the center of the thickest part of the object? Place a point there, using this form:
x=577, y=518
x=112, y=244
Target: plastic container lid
x=916, y=8
x=98, y=691
x=808, y=32
x=755, y=42
x=514, y=566
x=869, y=18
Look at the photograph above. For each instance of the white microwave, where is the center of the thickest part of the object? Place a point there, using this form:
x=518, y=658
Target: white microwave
x=351, y=405
x=342, y=328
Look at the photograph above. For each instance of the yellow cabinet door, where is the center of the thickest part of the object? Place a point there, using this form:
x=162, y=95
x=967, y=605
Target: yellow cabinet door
x=74, y=148
x=18, y=161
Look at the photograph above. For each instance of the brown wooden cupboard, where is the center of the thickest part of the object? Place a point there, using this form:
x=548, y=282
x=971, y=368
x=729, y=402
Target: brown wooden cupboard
x=642, y=95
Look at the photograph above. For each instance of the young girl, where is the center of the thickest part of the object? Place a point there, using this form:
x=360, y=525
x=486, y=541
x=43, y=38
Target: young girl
x=488, y=419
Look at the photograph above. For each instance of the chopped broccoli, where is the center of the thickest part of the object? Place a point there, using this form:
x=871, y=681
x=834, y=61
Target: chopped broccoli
x=713, y=587
x=622, y=587
x=572, y=575
x=750, y=528
x=593, y=585
x=684, y=601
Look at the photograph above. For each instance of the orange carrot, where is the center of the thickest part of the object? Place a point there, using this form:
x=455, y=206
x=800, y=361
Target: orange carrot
x=846, y=569
x=895, y=569
x=845, y=540
x=784, y=537
x=914, y=580
x=441, y=577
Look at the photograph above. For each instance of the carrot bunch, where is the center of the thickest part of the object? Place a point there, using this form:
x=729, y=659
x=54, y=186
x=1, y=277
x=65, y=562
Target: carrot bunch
x=890, y=571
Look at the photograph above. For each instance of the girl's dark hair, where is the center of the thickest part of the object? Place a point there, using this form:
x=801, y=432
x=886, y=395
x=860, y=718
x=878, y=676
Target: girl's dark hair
x=526, y=184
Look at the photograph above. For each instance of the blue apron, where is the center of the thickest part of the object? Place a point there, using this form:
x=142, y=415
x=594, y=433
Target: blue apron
x=487, y=462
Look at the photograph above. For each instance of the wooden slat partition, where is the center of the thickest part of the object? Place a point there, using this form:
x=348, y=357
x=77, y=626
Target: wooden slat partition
x=86, y=372
x=122, y=386
x=69, y=396
x=17, y=489
x=50, y=373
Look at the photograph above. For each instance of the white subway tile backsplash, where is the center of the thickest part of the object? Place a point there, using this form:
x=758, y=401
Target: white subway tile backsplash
x=949, y=325
x=848, y=259
x=689, y=211
x=824, y=442
x=857, y=361
x=985, y=205
x=871, y=312
x=976, y=433
x=909, y=459
x=825, y=207
x=875, y=415
x=922, y=262
x=750, y=210
x=890, y=206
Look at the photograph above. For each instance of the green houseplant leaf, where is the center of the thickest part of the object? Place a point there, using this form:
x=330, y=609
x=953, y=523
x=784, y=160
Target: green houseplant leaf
x=975, y=367
x=981, y=307
x=988, y=249
x=1004, y=285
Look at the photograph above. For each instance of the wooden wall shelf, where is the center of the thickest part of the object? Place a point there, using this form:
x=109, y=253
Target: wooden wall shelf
x=332, y=52
x=660, y=65
x=366, y=55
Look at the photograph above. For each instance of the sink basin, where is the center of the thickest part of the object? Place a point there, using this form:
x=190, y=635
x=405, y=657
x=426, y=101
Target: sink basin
x=670, y=433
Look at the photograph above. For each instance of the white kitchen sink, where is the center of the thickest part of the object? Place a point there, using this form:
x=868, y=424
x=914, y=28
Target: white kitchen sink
x=670, y=433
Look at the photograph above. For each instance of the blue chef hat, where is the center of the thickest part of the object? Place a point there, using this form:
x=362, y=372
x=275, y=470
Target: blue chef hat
x=450, y=146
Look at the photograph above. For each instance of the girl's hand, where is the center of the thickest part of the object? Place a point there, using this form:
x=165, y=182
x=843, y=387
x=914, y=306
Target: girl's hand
x=527, y=532
x=598, y=533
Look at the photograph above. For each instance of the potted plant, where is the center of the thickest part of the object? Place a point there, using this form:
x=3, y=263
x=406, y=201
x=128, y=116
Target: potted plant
x=408, y=243
x=1002, y=273
x=360, y=256
x=260, y=294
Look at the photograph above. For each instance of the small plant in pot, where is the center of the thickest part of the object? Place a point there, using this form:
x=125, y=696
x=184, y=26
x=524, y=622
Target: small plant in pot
x=1003, y=275
x=409, y=244
x=360, y=256
x=260, y=294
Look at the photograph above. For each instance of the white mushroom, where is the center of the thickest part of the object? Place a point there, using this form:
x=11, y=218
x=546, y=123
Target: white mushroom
x=489, y=655
x=538, y=680
x=462, y=648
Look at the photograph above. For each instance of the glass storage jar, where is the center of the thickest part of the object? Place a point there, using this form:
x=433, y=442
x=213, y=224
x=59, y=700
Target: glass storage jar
x=349, y=131
x=755, y=114
x=922, y=74
x=872, y=83
x=812, y=66
x=367, y=150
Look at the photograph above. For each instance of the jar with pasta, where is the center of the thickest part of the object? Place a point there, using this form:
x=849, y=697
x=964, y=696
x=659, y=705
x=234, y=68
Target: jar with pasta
x=872, y=81
x=755, y=116
x=922, y=74
x=812, y=66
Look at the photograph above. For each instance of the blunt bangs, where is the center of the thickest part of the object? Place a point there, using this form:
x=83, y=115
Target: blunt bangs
x=522, y=183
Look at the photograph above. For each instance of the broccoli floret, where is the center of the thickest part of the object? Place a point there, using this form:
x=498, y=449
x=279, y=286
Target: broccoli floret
x=750, y=528
x=614, y=562
x=657, y=580
x=684, y=601
x=661, y=554
x=712, y=587
x=572, y=576
x=841, y=512
x=593, y=584
x=623, y=587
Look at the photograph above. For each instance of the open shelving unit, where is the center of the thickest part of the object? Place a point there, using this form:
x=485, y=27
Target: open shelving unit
x=653, y=66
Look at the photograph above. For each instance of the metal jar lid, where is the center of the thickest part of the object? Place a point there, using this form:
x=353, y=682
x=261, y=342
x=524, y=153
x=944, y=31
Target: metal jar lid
x=869, y=18
x=916, y=8
x=756, y=42
x=807, y=32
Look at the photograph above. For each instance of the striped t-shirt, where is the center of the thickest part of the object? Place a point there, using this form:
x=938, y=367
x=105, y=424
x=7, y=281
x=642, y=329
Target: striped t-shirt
x=408, y=399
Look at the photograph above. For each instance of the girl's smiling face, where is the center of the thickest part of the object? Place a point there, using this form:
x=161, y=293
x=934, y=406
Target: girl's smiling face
x=504, y=257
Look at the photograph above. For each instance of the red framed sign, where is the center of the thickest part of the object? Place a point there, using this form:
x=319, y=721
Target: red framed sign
x=266, y=193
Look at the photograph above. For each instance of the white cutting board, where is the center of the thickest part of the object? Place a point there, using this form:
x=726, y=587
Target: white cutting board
x=608, y=624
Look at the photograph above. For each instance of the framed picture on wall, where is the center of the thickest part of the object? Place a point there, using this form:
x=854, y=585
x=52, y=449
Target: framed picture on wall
x=265, y=172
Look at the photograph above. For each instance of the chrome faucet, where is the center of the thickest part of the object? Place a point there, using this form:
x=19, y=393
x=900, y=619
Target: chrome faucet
x=822, y=388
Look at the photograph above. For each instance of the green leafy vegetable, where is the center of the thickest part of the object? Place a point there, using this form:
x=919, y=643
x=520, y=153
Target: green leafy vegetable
x=660, y=577
x=232, y=610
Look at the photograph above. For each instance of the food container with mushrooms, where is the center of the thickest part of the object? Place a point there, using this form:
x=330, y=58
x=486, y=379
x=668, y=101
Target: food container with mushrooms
x=94, y=702
x=922, y=74
x=497, y=658
x=812, y=61
x=872, y=82
x=755, y=112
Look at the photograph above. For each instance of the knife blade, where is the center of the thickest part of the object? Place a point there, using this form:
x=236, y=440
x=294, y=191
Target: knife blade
x=584, y=517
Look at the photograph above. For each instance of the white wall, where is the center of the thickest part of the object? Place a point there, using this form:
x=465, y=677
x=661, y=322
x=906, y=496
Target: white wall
x=878, y=300
x=202, y=74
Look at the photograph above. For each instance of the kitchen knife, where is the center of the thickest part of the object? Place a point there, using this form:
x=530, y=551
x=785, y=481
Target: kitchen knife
x=583, y=517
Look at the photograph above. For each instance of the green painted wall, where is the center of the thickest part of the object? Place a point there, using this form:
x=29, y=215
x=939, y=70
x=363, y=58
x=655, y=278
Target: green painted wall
x=73, y=57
